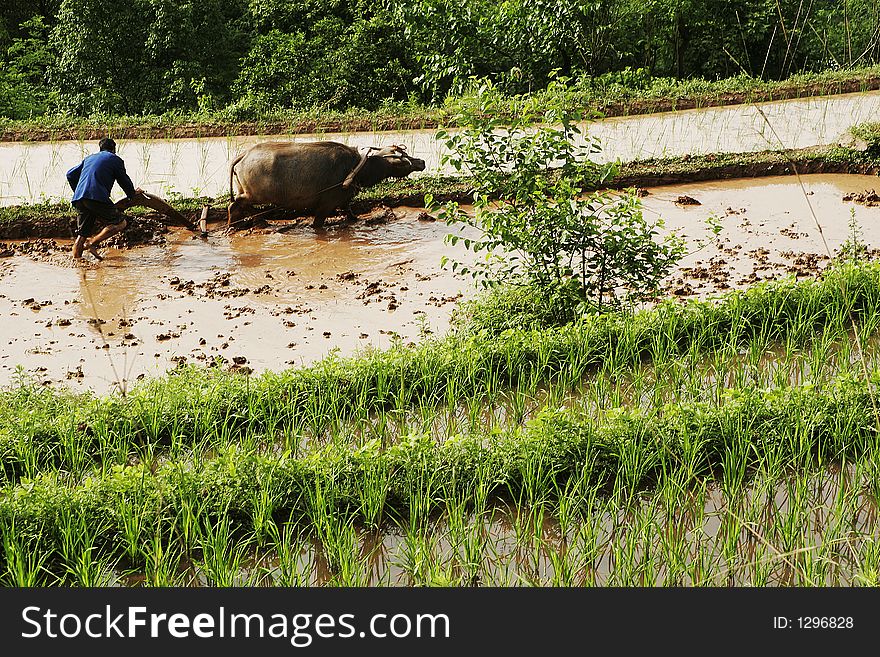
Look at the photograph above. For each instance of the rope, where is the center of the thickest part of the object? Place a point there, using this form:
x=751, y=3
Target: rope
x=349, y=179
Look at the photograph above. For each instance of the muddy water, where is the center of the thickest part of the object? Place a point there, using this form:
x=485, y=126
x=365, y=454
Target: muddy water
x=262, y=301
x=32, y=172
x=270, y=300
x=769, y=227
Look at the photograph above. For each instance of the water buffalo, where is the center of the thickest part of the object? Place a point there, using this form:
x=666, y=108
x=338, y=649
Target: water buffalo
x=316, y=178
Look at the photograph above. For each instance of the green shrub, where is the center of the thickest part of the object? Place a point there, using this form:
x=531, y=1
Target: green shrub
x=597, y=248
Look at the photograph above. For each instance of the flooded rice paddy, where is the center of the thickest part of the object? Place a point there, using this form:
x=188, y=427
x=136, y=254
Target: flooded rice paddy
x=705, y=537
x=34, y=172
x=271, y=299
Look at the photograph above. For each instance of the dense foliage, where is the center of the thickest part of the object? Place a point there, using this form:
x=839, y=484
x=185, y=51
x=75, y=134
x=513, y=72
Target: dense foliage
x=247, y=57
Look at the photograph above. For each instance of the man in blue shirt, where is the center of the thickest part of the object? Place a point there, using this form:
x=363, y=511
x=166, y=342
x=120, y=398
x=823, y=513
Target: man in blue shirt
x=91, y=182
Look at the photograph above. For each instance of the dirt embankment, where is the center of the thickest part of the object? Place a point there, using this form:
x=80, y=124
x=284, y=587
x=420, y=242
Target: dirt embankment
x=198, y=130
x=141, y=230
x=430, y=120
x=704, y=170
x=653, y=105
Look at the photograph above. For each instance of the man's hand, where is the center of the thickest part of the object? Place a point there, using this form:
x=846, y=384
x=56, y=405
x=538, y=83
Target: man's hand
x=138, y=191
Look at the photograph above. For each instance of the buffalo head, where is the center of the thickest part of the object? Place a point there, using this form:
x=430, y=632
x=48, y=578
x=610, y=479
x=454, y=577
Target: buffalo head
x=377, y=164
x=397, y=162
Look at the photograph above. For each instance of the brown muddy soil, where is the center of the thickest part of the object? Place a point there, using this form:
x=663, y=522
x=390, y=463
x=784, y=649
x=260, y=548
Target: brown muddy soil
x=199, y=130
x=264, y=298
x=709, y=168
x=141, y=230
x=868, y=197
x=150, y=227
x=652, y=105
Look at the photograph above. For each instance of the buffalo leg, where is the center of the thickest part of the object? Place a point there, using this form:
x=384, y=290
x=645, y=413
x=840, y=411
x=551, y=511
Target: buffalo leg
x=235, y=210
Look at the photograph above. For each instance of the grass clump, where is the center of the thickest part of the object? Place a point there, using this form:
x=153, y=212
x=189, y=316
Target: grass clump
x=611, y=95
x=869, y=133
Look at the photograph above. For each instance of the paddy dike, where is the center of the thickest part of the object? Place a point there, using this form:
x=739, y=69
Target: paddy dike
x=161, y=128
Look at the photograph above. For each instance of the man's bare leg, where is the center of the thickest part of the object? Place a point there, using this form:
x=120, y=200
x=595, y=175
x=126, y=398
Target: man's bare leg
x=78, y=245
x=106, y=232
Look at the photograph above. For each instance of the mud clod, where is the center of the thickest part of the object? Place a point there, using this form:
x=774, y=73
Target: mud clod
x=868, y=198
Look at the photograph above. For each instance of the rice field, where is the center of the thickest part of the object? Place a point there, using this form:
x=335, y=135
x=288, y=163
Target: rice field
x=710, y=443
x=34, y=172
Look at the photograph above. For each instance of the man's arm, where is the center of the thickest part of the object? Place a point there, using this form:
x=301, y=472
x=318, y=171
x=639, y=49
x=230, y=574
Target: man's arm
x=73, y=176
x=124, y=181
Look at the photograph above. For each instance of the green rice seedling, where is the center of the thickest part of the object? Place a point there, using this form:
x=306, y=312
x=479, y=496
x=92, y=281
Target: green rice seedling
x=593, y=518
x=535, y=472
x=650, y=568
x=373, y=493
x=26, y=563
x=79, y=555
x=867, y=567
x=262, y=505
x=591, y=548
x=342, y=549
x=162, y=563
x=223, y=556
x=564, y=565
x=700, y=569
x=131, y=519
x=735, y=458
x=496, y=565
x=635, y=464
x=257, y=568
x=681, y=534
x=569, y=559
x=475, y=409
x=335, y=533
x=836, y=499
x=528, y=526
x=467, y=534
x=767, y=563
x=189, y=511
x=416, y=555
x=419, y=487
x=625, y=553
x=291, y=556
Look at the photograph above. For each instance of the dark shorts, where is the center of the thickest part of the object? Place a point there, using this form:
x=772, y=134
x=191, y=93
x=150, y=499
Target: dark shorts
x=92, y=212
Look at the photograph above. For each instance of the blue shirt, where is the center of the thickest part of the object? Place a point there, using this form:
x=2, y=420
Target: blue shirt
x=93, y=178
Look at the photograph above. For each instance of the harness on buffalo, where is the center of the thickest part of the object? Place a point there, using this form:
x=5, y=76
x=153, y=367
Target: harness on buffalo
x=365, y=155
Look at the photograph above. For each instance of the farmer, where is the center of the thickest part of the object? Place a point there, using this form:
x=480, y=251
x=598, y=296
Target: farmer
x=91, y=182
